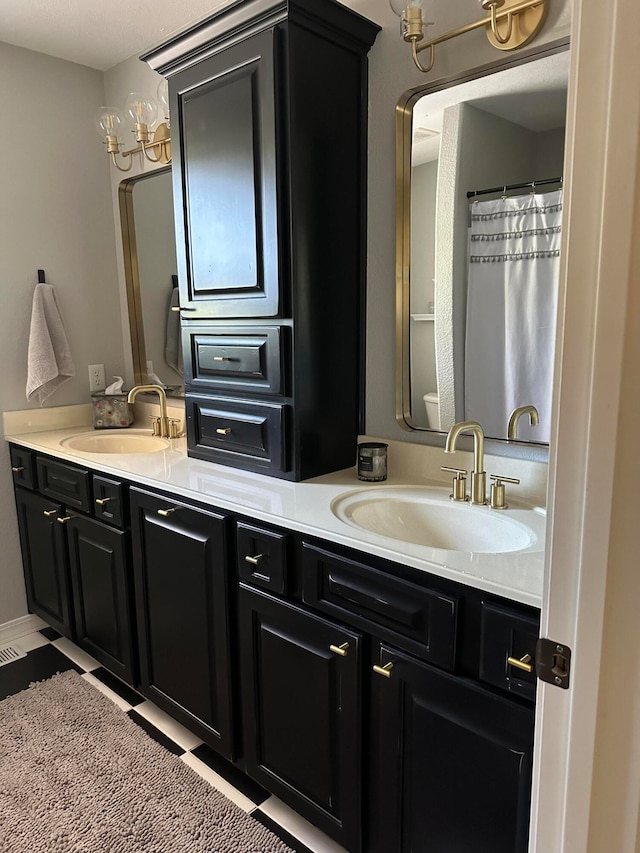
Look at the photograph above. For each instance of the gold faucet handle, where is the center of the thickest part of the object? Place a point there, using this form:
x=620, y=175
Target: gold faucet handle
x=174, y=428
x=459, y=483
x=498, y=491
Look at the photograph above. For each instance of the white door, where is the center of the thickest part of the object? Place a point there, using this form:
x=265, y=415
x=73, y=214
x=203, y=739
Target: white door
x=600, y=179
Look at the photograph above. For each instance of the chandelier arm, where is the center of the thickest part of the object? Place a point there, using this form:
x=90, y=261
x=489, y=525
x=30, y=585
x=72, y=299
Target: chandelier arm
x=501, y=39
x=118, y=166
x=416, y=58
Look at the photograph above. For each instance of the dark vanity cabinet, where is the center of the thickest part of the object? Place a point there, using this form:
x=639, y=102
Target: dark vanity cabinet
x=301, y=711
x=392, y=708
x=182, y=606
x=268, y=105
x=450, y=762
x=76, y=558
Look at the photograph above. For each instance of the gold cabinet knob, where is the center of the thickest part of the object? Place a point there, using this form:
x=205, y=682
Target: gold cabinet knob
x=253, y=560
x=64, y=519
x=384, y=670
x=165, y=512
x=523, y=663
x=224, y=431
x=17, y=468
x=50, y=512
x=340, y=650
x=103, y=501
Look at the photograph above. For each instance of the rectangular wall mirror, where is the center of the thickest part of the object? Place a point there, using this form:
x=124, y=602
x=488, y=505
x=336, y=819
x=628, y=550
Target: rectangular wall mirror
x=148, y=238
x=479, y=206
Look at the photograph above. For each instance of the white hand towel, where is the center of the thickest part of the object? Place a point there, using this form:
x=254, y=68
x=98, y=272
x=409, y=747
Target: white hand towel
x=49, y=362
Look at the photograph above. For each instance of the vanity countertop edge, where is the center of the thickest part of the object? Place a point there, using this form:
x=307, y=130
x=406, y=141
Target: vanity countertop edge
x=303, y=506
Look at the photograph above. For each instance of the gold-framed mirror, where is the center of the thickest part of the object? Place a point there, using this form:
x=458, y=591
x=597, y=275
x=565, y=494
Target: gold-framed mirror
x=148, y=240
x=479, y=164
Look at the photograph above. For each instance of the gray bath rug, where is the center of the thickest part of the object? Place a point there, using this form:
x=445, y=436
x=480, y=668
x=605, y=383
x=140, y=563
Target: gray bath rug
x=78, y=776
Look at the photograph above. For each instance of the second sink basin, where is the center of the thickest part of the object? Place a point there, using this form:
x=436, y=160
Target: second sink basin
x=115, y=442
x=426, y=516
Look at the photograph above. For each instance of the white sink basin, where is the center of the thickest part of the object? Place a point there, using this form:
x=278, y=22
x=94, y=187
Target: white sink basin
x=116, y=442
x=426, y=516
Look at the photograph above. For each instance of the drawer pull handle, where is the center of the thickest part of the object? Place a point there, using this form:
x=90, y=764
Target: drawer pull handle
x=340, y=650
x=165, y=512
x=521, y=663
x=64, y=519
x=221, y=358
x=103, y=501
x=253, y=560
x=384, y=670
x=224, y=431
x=175, y=308
x=50, y=512
x=17, y=469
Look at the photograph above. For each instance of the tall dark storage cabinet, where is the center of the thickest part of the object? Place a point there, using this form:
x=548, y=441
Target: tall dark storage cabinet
x=269, y=116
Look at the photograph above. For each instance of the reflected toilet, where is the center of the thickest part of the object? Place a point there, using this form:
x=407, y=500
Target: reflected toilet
x=433, y=412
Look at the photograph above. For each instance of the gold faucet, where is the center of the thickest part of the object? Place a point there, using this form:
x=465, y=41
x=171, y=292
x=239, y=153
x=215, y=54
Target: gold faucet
x=516, y=414
x=478, y=475
x=163, y=426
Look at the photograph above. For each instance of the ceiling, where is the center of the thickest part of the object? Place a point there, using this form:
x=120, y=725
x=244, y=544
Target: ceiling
x=98, y=33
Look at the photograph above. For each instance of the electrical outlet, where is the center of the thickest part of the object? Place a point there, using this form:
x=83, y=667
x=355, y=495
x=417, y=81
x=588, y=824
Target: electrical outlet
x=96, y=378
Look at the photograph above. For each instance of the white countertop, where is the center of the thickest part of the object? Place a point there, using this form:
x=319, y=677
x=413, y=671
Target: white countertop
x=306, y=508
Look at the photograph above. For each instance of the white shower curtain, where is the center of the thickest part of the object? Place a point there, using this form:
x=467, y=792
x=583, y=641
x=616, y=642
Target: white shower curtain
x=512, y=302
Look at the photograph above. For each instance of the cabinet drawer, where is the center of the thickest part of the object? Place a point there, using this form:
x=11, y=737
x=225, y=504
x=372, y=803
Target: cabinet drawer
x=109, y=500
x=422, y=621
x=22, y=467
x=262, y=557
x=65, y=483
x=508, y=634
x=249, y=435
x=234, y=359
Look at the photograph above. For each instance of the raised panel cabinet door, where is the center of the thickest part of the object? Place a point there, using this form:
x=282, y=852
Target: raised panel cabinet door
x=44, y=558
x=451, y=763
x=225, y=182
x=301, y=711
x=102, y=593
x=181, y=580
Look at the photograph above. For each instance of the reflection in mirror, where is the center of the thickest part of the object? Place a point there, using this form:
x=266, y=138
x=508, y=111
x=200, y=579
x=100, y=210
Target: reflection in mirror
x=480, y=201
x=146, y=213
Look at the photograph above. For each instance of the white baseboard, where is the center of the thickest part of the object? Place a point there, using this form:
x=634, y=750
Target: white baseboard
x=20, y=628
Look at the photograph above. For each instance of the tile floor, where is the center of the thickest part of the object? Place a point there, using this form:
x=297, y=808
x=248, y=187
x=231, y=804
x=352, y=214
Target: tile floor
x=47, y=653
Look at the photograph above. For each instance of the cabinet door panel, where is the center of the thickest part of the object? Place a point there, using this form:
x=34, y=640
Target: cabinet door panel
x=225, y=183
x=99, y=562
x=45, y=560
x=181, y=602
x=452, y=766
x=301, y=711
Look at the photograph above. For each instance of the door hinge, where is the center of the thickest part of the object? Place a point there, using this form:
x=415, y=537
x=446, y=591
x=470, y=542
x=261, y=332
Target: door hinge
x=553, y=662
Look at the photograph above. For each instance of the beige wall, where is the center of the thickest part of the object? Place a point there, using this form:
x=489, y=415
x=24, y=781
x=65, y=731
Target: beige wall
x=56, y=215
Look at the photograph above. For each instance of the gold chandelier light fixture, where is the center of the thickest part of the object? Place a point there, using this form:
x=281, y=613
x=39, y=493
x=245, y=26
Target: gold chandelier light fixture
x=509, y=24
x=140, y=113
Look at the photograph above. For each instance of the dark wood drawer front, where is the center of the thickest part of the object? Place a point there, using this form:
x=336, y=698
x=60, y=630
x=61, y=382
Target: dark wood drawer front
x=22, y=467
x=109, y=501
x=65, y=483
x=422, y=620
x=508, y=638
x=262, y=557
x=221, y=430
x=235, y=359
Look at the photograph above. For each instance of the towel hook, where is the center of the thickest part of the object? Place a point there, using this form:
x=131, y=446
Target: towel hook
x=41, y=278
